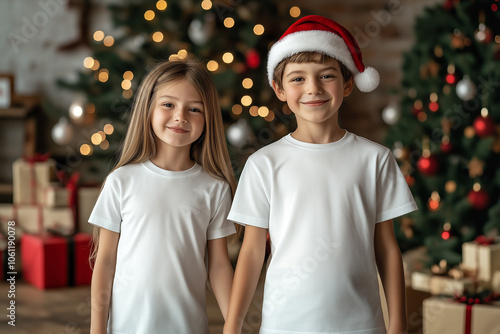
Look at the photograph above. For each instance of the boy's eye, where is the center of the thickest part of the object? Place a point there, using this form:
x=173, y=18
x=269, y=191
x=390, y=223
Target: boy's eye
x=327, y=76
x=297, y=79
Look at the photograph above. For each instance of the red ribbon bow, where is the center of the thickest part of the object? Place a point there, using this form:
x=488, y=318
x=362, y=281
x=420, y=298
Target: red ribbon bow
x=485, y=241
x=38, y=157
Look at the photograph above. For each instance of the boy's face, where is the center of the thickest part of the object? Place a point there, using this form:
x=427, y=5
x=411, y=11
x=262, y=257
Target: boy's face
x=314, y=92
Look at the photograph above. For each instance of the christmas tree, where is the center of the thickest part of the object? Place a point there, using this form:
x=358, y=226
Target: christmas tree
x=232, y=37
x=445, y=133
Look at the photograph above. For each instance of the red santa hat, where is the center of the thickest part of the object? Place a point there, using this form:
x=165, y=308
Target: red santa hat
x=319, y=34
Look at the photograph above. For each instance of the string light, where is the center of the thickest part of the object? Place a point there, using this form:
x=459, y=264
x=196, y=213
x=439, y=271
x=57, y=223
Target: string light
x=96, y=65
x=128, y=75
x=258, y=29
x=422, y=116
x=96, y=139
x=246, y=100
x=212, y=65
x=98, y=35
x=103, y=75
x=254, y=111
x=149, y=15
x=126, y=84
x=108, y=129
x=86, y=149
x=104, y=145
x=227, y=57
x=263, y=111
x=102, y=134
x=270, y=117
x=295, y=11
x=88, y=62
x=182, y=54
x=127, y=93
x=228, y=22
x=206, y=4
x=108, y=41
x=434, y=201
x=247, y=83
x=157, y=37
x=174, y=57
x=237, y=109
x=161, y=5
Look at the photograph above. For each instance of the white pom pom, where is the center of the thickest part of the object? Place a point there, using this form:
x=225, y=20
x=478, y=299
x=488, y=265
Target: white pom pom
x=368, y=80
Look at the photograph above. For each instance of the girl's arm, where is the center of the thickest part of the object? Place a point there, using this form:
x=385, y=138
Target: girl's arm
x=247, y=275
x=102, y=280
x=390, y=268
x=220, y=272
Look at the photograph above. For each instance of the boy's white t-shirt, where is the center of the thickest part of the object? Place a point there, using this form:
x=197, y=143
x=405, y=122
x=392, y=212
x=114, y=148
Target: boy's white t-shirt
x=321, y=203
x=164, y=219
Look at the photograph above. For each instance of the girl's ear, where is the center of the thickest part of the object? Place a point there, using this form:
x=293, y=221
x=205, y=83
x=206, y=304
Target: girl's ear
x=280, y=93
x=348, y=86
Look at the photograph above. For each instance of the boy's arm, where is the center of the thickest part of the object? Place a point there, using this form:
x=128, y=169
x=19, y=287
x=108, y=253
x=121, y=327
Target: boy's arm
x=390, y=268
x=220, y=272
x=102, y=280
x=246, y=277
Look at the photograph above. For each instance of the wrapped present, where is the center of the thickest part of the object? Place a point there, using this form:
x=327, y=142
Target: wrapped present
x=481, y=257
x=56, y=196
x=442, y=281
x=51, y=261
x=31, y=177
x=495, y=282
x=87, y=197
x=447, y=316
x=35, y=219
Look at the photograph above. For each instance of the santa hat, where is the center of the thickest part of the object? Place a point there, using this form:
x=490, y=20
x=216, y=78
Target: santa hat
x=319, y=34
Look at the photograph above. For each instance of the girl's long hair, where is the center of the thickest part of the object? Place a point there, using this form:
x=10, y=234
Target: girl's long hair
x=210, y=150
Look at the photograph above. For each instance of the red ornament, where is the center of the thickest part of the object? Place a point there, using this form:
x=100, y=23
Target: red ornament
x=253, y=59
x=446, y=147
x=478, y=199
x=445, y=235
x=428, y=165
x=451, y=78
x=484, y=126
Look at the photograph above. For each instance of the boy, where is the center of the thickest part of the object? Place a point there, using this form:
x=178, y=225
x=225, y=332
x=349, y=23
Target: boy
x=327, y=198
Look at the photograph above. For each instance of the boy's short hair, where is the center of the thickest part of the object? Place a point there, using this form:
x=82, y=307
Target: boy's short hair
x=306, y=57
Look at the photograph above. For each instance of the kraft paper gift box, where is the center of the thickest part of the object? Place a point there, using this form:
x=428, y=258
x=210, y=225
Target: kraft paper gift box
x=56, y=196
x=483, y=260
x=446, y=316
x=30, y=180
x=53, y=261
x=87, y=197
x=440, y=285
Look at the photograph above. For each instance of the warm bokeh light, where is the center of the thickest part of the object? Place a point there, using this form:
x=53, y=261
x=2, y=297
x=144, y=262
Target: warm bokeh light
x=212, y=65
x=96, y=65
x=270, y=117
x=445, y=235
x=263, y=111
x=149, y=15
x=128, y=75
x=103, y=75
x=484, y=112
x=237, y=109
x=254, y=111
x=206, y=4
x=476, y=186
x=433, y=97
x=161, y=5
x=86, y=149
x=247, y=83
x=126, y=84
x=96, y=139
x=108, y=129
x=227, y=57
x=422, y=116
x=98, y=35
x=88, y=62
x=246, y=100
x=127, y=93
x=182, y=54
x=174, y=57
x=228, y=22
x=295, y=11
x=258, y=29
x=157, y=37
x=104, y=145
x=108, y=41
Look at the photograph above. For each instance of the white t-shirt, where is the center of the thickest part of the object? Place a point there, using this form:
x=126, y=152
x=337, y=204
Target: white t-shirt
x=321, y=203
x=164, y=219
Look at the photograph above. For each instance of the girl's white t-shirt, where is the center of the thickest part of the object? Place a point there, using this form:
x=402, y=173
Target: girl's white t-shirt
x=321, y=203
x=164, y=219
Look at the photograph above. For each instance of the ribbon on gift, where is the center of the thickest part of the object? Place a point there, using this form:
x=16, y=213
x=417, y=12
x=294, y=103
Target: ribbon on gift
x=470, y=301
x=71, y=183
x=37, y=157
x=484, y=241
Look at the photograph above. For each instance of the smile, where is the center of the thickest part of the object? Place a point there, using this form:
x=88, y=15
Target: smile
x=176, y=129
x=315, y=103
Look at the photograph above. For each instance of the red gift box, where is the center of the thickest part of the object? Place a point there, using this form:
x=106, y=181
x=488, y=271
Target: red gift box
x=53, y=261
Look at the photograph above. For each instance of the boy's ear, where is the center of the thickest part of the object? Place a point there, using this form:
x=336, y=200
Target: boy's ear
x=279, y=92
x=348, y=86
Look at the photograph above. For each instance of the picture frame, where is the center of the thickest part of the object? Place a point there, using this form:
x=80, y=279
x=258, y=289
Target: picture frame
x=6, y=90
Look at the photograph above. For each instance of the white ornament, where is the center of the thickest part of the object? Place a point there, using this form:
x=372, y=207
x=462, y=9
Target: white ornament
x=62, y=132
x=391, y=113
x=466, y=90
x=238, y=133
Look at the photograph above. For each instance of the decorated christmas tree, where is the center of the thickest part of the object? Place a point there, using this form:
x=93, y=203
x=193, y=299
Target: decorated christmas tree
x=231, y=37
x=445, y=133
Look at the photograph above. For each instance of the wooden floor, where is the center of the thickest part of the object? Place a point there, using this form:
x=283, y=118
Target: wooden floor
x=67, y=311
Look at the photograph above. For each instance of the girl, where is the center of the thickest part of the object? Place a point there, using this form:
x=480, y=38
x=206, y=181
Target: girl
x=163, y=209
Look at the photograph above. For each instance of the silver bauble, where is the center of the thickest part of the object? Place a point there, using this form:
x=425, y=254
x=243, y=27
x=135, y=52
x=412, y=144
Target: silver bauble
x=62, y=132
x=466, y=89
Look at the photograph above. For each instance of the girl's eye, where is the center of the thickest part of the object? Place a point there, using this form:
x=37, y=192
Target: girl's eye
x=168, y=105
x=194, y=110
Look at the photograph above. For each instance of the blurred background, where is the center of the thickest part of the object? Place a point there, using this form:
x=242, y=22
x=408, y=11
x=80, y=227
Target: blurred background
x=69, y=70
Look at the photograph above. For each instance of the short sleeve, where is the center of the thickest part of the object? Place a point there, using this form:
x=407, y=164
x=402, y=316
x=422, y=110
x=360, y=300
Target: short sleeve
x=251, y=201
x=220, y=226
x=107, y=210
x=394, y=198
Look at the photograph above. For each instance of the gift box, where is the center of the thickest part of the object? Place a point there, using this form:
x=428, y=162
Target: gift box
x=51, y=261
x=482, y=259
x=30, y=178
x=35, y=219
x=87, y=197
x=447, y=316
x=56, y=196
x=440, y=284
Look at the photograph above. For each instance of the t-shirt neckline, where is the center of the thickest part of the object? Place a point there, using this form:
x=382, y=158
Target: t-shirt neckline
x=172, y=174
x=311, y=146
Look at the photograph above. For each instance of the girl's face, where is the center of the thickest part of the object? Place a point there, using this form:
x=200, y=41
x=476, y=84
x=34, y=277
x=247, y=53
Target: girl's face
x=178, y=117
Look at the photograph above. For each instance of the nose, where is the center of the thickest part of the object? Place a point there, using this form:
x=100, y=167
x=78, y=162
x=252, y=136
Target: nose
x=314, y=87
x=180, y=116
